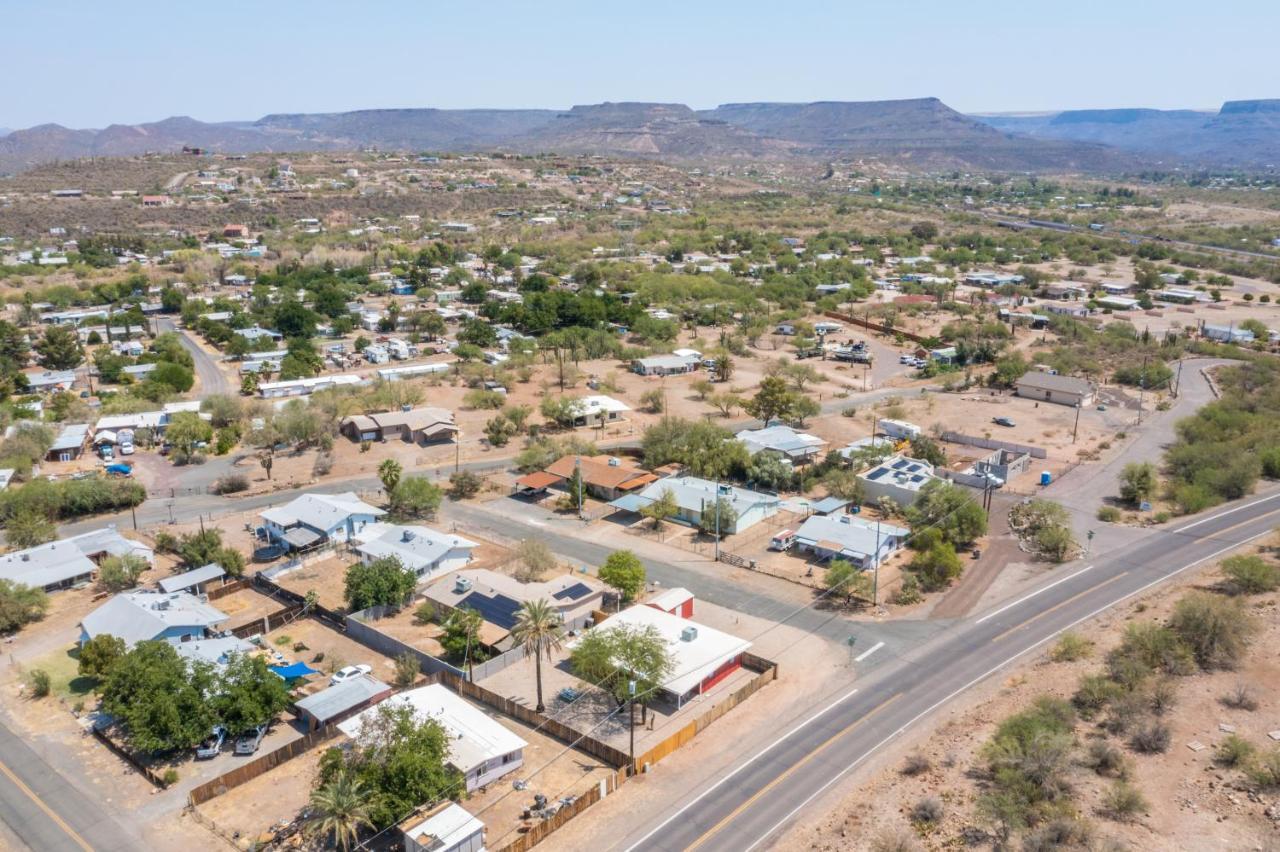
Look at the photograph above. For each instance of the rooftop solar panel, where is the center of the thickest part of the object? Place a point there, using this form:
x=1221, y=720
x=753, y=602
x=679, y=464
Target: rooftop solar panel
x=498, y=609
x=877, y=473
x=577, y=590
x=900, y=464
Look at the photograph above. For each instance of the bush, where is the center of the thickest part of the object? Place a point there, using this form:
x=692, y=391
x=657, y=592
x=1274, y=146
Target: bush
x=1105, y=759
x=1071, y=647
x=1123, y=801
x=20, y=605
x=1240, y=697
x=464, y=484
x=1152, y=738
x=1094, y=693
x=1125, y=711
x=1056, y=835
x=895, y=841
x=909, y=592
x=916, y=764
x=39, y=682
x=1233, y=751
x=1109, y=514
x=425, y=614
x=407, y=670
x=1216, y=630
x=232, y=483
x=1251, y=575
x=927, y=811
x=1265, y=770
x=170, y=777
x=1162, y=696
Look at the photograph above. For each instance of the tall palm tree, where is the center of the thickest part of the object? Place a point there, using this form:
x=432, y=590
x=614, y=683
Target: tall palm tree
x=539, y=629
x=389, y=472
x=340, y=809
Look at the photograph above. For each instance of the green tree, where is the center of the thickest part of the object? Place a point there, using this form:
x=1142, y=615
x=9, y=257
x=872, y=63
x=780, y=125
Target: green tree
x=723, y=368
x=172, y=378
x=249, y=694
x=382, y=582
x=20, y=605
x=951, y=510
x=771, y=402
x=461, y=639
x=718, y=517
x=1138, y=482
x=29, y=527
x=802, y=408
x=161, y=700
x=661, y=509
x=389, y=472
x=845, y=578
x=117, y=573
x=464, y=484
x=539, y=630
x=100, y=655
x=613, y=657
x=938, y=566
x=59, y=348
x=186, y=430
x=926, y=449
x=623, y=571
x=415, y=497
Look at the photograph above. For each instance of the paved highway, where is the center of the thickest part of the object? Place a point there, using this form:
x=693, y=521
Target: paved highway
x=749, y=807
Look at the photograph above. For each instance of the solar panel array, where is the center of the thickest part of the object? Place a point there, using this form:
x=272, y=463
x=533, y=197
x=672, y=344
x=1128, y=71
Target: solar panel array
x=497, y=609
x=577, y=590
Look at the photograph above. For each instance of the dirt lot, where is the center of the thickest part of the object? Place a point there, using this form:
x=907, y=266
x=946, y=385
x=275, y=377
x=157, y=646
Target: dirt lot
x=1191, y=801
x=337, y=649
x=403, y=626
x=273, y=797
x=245, y=606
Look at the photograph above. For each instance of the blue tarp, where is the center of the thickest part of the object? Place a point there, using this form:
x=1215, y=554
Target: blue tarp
x=293, y=671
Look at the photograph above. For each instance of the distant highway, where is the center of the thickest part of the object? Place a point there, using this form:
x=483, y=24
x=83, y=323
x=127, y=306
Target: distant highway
x=1021, y=223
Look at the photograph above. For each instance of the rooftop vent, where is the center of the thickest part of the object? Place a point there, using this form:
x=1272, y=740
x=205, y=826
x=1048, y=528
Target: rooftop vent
x=688, y=634
x=408, y=535
x=615, y=462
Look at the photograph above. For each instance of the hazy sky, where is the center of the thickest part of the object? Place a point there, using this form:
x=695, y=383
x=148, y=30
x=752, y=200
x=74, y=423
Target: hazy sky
x=87, y=64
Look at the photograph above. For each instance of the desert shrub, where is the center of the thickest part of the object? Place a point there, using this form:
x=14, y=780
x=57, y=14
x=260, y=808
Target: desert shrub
x=1240, y=697
x=1251, y=575
x=909, y=592
x=232, y=483
x=1125, y=711
x=1108, y=514
x=1151, y=738
x=39, y=682
x=1162, y=696
x=1216, y=629
x=425, y=614
x=895, y=841
x=464, y=484
x=927, y=811
x=1094, y=693
x=1123, y=801
x=915, y=764
x=1148, y=647
x=1233, y=751
x=407, y=669
x=170, y=777
x=1071, y=647
x=1105, y=759
x=1058, y=834
x=1265, y=770
x=166, y=542
x=1029, y=753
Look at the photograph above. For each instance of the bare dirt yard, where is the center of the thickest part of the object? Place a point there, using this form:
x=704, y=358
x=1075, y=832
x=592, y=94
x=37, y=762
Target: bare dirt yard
x=1192, y=800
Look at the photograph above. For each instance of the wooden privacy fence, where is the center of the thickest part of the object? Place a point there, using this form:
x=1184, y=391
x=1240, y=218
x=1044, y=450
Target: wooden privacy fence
x=542, y=830
x=248, y=771
x=268, y=622
x=128, y=757
x=874, y=326
x=228, y=589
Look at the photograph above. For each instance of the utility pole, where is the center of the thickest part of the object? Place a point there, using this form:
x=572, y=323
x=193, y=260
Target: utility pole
x=457, y=450
x=875, y=577
x=1075, y=430
x=577, y=474
x=717, y=495
x=1177, y=382
x=631, y=714
x=1142, y=388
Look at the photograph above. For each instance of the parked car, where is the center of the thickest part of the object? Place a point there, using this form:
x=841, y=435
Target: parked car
x=248, y=742
x=211, y=747
x=126, y=448
x=906, y=359
x=349, y=672
x=1003, y=421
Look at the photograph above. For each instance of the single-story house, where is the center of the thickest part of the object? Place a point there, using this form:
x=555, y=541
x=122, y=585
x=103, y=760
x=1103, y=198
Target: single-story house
x=59, y=564
x=899, y=478
x=144, y=615
x=392, y=374
x=605, y=477
x=664, y=365
x=42, y=381
x=1118, y=303
x=216, y=651
x=867, y=448
x=992, y=279
x=1115, y=288
x=196, y=581
x=257, y=334
x=157, y=421
x=498, y=598
x=480, y=747
x=303, y=387
x=70, y=443
x=420, y=549
x=341, y=701
x=1065, y=292
x=848, y=537
x=1061, y=390
x=416, y=425
x=693, y=496
x=701, y=656
x=794, y=446
x=1226, y=333
x=593, y=410
x=448, y=827
x=312, y=519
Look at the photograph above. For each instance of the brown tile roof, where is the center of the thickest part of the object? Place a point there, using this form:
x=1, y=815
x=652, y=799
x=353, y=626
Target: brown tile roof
x=597, y=472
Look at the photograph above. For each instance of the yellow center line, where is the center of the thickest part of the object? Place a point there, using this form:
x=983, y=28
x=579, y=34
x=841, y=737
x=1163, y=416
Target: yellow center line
x=1057, y=606
x=59, y=821
x=778, y=780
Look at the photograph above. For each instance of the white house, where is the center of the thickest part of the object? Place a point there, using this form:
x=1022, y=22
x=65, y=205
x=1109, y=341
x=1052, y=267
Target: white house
x=864, y=543
x=144, y=615
x=899, y=478
x=480, y=747
x=59, y=564
x=304, y=387
x=694, y=496
x=315, y=518
x=664, y=365
x=592, y=410
x=422, y=550
x=794, y=446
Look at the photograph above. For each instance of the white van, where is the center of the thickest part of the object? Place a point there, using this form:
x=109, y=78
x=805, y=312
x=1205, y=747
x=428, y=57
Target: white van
x=783, y=541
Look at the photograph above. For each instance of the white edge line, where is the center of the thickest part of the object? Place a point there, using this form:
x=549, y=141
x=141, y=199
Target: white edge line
x=741, y=767
x=1228, y=512
x=1028, y=597
x=769, y=832
x=868, y=652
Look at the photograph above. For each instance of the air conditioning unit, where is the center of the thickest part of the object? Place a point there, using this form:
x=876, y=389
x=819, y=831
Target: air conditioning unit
x=461, y=584
x=615, y=462
x=408, y=535
x=689, y=634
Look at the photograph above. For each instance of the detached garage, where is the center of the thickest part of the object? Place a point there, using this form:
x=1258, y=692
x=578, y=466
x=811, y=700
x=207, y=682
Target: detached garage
x=1060, y=390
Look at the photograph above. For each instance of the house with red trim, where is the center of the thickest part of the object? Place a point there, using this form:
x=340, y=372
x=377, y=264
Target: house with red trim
x=701, y=656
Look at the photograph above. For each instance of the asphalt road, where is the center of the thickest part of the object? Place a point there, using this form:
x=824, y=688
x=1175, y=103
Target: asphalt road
x=212, y=379
x=749, y=807
x=46, y=812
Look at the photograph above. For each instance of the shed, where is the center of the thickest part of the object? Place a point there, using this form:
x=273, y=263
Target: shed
x=340, y=701
x=196, y=579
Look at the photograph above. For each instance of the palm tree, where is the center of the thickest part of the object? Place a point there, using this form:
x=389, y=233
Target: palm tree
x=389, y=472
x=340, y=809
x=539, y=629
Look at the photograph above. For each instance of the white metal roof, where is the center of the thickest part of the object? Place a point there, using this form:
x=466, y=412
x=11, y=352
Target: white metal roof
x=694, y=659
x=320, y=511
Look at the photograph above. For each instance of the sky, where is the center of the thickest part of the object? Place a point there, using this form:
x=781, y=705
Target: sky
x=89, y=64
